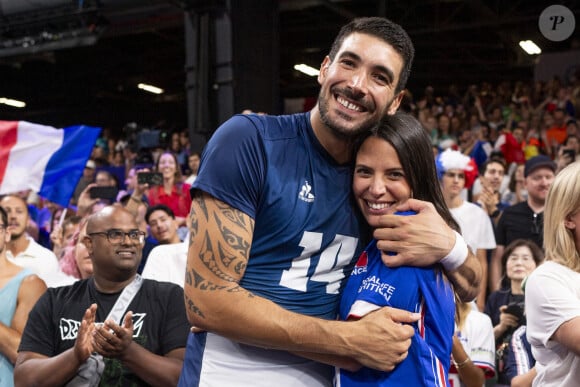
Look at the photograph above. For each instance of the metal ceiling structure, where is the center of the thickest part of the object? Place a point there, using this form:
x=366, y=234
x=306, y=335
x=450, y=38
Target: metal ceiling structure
x=80, y=61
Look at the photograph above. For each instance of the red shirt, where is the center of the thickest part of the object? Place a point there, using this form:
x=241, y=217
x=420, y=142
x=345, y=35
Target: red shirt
x=179, y=200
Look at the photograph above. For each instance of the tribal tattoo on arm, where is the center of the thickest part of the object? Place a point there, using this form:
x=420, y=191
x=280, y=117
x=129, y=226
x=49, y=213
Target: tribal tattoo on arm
x=219, y=247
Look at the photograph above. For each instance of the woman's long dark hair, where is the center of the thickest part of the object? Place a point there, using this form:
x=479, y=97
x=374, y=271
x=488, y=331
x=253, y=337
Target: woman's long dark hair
x=413, y=146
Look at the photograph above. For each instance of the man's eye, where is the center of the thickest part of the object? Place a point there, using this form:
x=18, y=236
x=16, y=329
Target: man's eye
x=115, y=234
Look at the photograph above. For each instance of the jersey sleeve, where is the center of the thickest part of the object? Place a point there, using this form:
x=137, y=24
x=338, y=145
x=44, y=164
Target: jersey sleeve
x=39, y=331
x=232, y=166
x=483, y=344
x=439, y=308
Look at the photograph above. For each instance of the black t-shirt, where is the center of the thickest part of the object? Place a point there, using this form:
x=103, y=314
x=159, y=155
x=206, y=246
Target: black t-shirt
x=159, y=320
x=520, y=221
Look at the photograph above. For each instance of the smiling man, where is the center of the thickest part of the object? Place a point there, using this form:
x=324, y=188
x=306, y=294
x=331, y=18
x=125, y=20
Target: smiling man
x=274, y=233
x=145, y=346
x=23, y=250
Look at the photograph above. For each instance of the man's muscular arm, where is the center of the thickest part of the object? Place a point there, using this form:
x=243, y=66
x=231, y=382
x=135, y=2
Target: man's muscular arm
x=424, y=239
x=218, y=254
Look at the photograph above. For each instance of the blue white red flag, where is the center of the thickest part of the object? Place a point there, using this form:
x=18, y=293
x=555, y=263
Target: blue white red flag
x=44, y=159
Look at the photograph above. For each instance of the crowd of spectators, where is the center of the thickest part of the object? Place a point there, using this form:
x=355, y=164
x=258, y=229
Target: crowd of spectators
x=506, y=132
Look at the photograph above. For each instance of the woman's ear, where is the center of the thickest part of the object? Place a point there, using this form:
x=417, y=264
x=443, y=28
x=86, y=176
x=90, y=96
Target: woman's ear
x=569, y=224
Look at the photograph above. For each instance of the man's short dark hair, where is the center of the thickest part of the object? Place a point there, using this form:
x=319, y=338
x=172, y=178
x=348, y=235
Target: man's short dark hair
x=4, y=217
x=386, y=30
x=492, y=160
x=158, y=207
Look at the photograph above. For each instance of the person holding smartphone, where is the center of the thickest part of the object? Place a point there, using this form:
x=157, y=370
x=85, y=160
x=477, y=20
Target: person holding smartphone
x=506, y=306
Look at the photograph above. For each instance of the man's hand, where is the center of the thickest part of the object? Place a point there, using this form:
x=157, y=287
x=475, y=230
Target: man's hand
x=85, y=202
x=83, y=344
x=382, y=338
x=112, y=340
x=417, y=240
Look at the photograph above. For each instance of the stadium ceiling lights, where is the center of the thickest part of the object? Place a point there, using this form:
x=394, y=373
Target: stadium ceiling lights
x=530, y=47
x=304, y=68
x=12, y=102
x=150, y=88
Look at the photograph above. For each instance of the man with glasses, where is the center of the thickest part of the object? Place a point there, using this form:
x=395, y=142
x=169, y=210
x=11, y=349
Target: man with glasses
x=68, y=325
x=524, y=220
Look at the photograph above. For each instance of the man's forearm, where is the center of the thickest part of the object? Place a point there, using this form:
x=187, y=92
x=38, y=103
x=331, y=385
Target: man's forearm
x=155, y=370
x=467, y=278
x=33, y=369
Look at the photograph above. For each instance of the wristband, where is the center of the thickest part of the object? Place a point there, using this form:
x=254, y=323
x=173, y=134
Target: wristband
x=457, y=255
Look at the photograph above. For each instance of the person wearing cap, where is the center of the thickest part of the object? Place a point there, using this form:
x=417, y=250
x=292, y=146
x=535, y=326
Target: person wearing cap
x=524, y=220
x=456, y=172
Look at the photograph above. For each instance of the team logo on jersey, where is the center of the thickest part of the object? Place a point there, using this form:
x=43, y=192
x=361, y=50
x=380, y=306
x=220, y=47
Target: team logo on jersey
x=361, y=265
x=305, y=193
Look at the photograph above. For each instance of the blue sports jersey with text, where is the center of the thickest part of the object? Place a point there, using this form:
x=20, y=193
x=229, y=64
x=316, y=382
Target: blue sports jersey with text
x=421, y=290
x=306, y=232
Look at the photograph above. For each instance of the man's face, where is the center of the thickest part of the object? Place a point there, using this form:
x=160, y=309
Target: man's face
x=113, y=258
x=538, y=183
x=163, y=227
x=17, y=215
x=104, y=180
x=358, y=86
x=452, y=182
x=493, y=174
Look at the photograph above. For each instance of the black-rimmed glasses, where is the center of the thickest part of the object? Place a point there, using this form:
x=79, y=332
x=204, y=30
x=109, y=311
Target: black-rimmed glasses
x=116, y=236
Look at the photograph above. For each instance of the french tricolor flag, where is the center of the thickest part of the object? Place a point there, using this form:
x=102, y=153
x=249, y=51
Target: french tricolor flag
x=44, y=159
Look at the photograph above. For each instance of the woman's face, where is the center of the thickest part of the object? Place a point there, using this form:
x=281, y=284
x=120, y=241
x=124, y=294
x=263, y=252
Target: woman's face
x=379, y=182
x=167, y=166
x=520, y=263
x=82, y=257
x=572, y=223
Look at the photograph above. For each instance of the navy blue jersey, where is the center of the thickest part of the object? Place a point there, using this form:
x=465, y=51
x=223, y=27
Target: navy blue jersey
x=421, y=290
x=306, y=230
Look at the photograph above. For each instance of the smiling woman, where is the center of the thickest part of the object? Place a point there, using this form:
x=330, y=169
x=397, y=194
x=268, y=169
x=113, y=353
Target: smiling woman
x=385, y=176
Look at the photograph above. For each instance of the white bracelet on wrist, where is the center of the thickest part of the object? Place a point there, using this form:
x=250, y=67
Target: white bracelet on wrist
x=457, y=255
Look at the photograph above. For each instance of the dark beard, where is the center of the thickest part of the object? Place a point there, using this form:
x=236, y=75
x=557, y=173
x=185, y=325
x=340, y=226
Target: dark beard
x=338, y=130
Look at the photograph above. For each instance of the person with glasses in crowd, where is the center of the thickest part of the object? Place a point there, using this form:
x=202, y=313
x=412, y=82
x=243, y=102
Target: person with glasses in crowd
x=524, y=220
x=505, y=307
x=19, y=290
x=142, y=342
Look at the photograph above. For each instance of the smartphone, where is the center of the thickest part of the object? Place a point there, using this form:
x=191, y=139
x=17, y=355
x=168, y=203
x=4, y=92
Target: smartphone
x=151, y=178
x=515, y=310
x=109, y=193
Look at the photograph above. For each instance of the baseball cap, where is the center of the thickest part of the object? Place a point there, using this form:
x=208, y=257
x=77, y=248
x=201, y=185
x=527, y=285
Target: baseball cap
x=537, y=162
x=90, y=164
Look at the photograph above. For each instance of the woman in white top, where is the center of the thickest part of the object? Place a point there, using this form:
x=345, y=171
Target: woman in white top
x=553, y=289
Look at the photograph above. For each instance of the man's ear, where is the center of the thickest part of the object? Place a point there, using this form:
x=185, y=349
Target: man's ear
x=323, y=69
x=88, y=242
x=396, y=103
